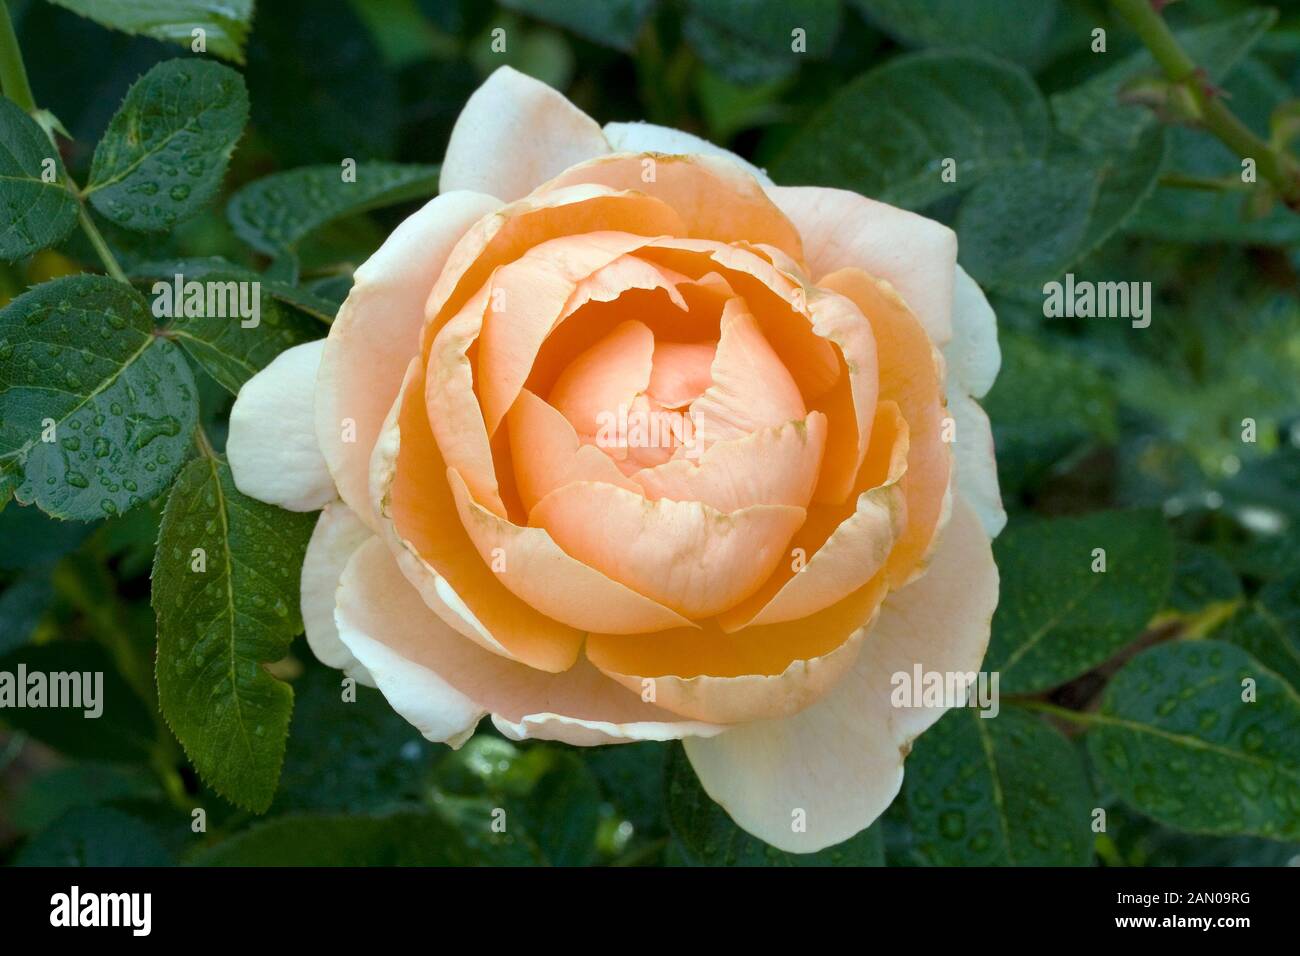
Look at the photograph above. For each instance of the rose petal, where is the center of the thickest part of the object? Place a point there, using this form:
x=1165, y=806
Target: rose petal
x=977, y=469
x=419, y=521
x=973, y=355
x=513, y=230
x=840, y=548
x=735, y=700
x=649, y=138
x=272, y=445
x=626, y=272
x=776, y=299
x=772, y=466
x=663, y=311
x=514, y=133
x=911, y=376
x=528, y=299
x=751, y=390
x=605, y=378
x=453, y=407
x=841, y=760
x=681, y=554
x=532, y=565
x=338, y=533
x=761, y=672
x=681, y=372
x=443, y=684
x=916, y=255
x=547, y=454
x=715, y=198
x=850, y=405
x=376, y=333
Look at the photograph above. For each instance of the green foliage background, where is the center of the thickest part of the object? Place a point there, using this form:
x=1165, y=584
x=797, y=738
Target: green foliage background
x=1121, y=691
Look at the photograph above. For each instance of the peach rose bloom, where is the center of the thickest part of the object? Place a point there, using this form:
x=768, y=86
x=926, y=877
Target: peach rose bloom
x=618, y=440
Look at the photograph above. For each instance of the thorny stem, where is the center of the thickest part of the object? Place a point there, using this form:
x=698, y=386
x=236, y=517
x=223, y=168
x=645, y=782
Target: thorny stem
x=13, y=80
x=1276, y=165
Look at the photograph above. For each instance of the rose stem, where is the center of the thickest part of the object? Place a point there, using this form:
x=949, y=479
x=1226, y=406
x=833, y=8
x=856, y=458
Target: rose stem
x=13, y=80
x=1277, y=166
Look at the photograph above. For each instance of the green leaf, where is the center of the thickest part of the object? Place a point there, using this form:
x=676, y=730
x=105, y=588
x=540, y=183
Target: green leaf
x=34, y=212
x=1175, y=739
x=232, y=353
x=613, y=23
x=9, y=481
x=217, y=628
x=316, y=299
x=1091, y=113
x=1269, y=628
x=1057, y=618
x=129, y=542
x=1046, y=402
x=352, y=756
x=404, y=838
x=30, y=538
x=1205, y=590
x=165, y=151
x=275, y=213
x=711, y=839
x=1144, y=842
x=1013, y=29
x=225, y=22
x=631, y=779
x=95, y=836
x=998, y=791
x=122, y=733
x=562, y=810
x=549, y=790
x=321, y=88
x=79, y=364
x=320, y=303
x=749, y=42
x=887, y=133
x=23, y=603
x=64, y=788
x=1027, y=224
x=487, y=765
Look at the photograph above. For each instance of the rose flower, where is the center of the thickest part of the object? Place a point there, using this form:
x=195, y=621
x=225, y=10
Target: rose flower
x=617, y=440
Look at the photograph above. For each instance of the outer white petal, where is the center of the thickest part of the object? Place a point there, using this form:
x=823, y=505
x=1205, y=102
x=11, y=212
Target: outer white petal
x=338, y=533
x=272, y=445
x=514, y=134
x=649, y=138
x=841, y=760
x=365, y=596
x=376, y=334
x=442, y=682
x=977, y=468
x=973, y=355
x=916, y=255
